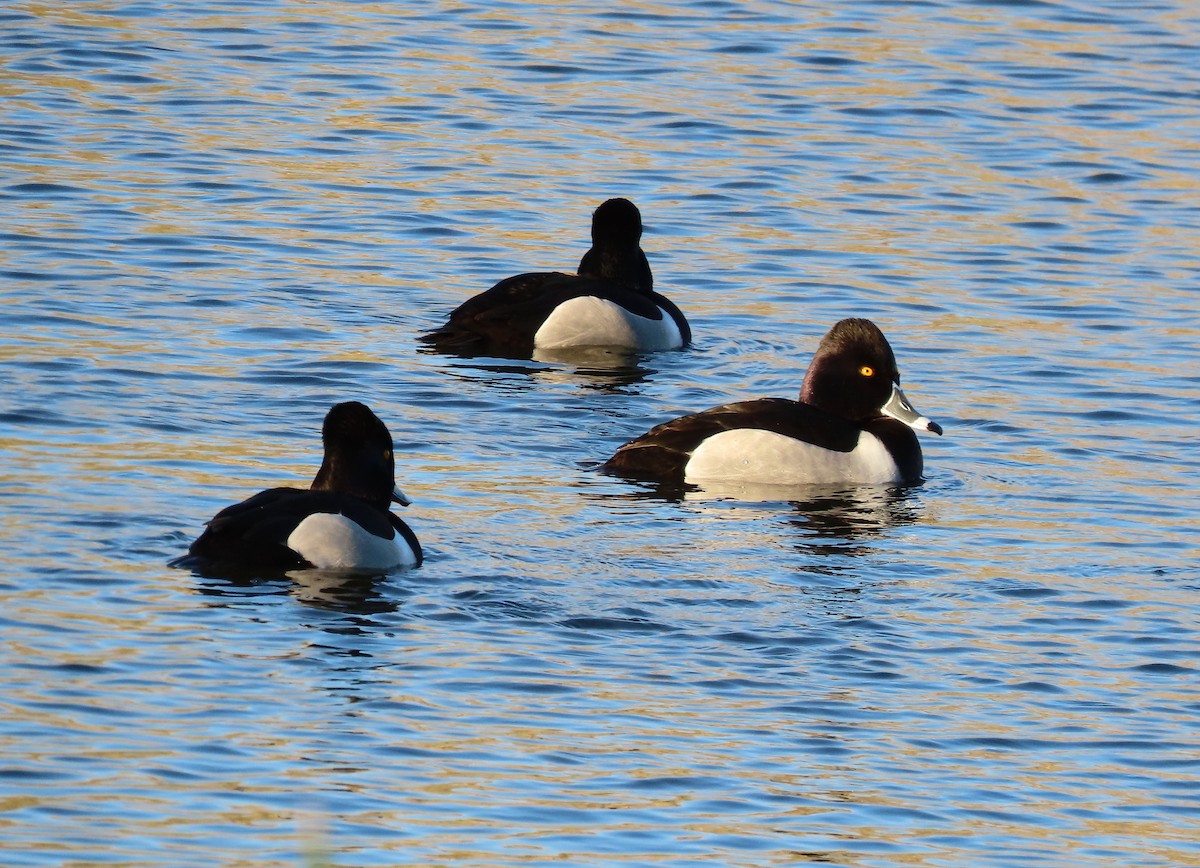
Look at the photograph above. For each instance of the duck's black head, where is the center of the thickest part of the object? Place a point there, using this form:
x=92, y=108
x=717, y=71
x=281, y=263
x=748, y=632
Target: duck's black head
x=358, y=456
x=617, y=221
x=854, y=375
x=616, y=253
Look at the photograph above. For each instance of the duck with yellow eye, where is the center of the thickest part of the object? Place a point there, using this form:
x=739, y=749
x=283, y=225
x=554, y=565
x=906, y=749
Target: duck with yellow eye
x=852, y=425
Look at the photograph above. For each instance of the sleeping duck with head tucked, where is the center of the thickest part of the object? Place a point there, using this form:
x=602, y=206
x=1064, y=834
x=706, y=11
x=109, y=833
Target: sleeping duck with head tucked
x=609, y=302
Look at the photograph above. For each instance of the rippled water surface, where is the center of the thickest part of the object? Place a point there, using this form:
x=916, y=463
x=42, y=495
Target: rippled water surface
x=220, y=218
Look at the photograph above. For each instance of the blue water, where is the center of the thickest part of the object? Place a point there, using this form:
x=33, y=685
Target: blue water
x=219, y=219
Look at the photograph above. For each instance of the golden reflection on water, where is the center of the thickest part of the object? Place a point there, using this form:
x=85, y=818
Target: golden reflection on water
x=266, y=238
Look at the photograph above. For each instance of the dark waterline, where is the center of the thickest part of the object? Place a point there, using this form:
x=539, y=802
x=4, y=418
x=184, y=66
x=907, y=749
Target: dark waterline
x=218, y=221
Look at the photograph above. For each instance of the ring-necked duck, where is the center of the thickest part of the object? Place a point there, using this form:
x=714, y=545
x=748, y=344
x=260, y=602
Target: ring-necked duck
x=341, y=522
x=610, y=302
x=851, y=425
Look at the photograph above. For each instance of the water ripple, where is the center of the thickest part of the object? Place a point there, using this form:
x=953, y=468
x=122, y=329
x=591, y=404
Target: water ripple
x=216, y=226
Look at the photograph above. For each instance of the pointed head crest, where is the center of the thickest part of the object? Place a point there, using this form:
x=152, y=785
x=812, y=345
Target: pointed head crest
x=358, y=454
x=617, y=221
x=852, y=372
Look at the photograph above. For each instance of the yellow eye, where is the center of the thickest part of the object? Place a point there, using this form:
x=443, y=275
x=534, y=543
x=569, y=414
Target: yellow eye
x=867, y=371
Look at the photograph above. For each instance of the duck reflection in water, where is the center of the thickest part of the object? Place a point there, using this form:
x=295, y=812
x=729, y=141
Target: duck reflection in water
x=605, y=371
x=832, y=519
x=335, y=590
x=833, y=513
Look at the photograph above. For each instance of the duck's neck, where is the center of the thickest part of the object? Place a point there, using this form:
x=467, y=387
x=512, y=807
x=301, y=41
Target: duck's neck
x=626, y=266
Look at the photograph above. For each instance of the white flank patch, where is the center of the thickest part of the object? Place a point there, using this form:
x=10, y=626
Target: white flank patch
x=755, y=455
x=594, y=322
x=334, y=542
